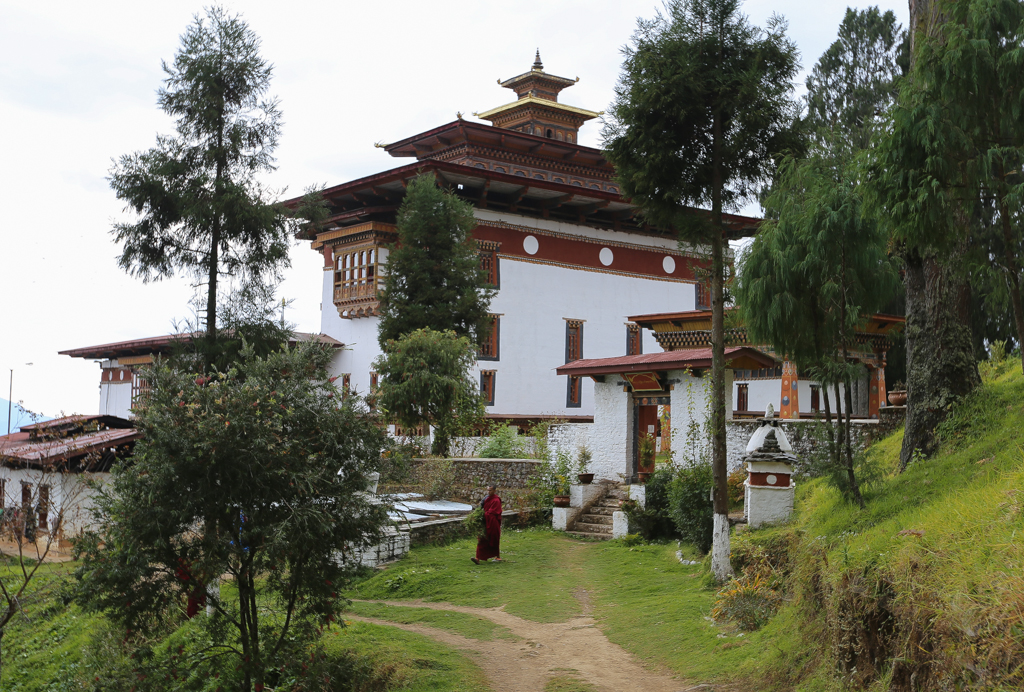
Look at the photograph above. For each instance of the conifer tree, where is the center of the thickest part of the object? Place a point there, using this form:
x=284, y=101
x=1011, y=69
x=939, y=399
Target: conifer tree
x=433, y=278
x=817, y=267
x=854, y=81
x=200, y=206
x=702, y=109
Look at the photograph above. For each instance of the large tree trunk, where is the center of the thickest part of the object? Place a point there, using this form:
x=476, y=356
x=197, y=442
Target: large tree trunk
x=721, y=566
x=940, y=354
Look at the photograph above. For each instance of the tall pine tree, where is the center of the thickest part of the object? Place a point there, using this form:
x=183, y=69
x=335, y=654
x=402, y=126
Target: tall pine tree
x=200, y=206
x=433, y=278
x=703, y=108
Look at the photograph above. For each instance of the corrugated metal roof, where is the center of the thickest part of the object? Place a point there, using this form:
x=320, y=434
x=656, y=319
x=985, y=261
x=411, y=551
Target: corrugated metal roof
x=162, y=344
x=18, y=448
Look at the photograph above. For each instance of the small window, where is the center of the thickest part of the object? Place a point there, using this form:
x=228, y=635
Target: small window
x=26, y=495
x=703, y=297
x=3, y=493
x=634, y=340
x=551, y=134
x=487, y=386
x=374, y=380
x=573, y=340
x=43, y=508
x=489, y=346
x=742, y=397
x=568, y=137
x=573, y=398
x=346, y=384
x=815, y=398
x=559, y=136
x=489, y=265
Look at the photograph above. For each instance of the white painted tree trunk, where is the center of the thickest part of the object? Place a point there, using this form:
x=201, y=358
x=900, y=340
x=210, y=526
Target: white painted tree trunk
x=721, y=567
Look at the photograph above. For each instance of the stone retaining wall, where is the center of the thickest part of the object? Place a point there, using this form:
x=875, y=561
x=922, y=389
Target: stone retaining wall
x=803, y=435
x=474, y=472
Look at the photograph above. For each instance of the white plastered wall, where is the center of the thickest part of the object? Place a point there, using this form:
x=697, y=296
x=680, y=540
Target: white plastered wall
x=609, y=436
x=534, y=300
x=70, y=493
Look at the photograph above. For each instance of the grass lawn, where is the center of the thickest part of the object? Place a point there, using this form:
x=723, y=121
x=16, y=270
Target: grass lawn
x=416, y=663
x=460, y=623
x=535, y=581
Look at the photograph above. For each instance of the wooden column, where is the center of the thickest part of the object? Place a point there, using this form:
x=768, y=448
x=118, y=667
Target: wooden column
x=789, y=407
x=877, y=397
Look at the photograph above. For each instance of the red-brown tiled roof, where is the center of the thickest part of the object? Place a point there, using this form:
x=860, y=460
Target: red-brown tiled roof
x=18, y=448
x=666, y=360
x=162, y=344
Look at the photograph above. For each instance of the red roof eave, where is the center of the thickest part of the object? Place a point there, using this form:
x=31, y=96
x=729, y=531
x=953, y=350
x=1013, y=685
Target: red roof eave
x=660, y=362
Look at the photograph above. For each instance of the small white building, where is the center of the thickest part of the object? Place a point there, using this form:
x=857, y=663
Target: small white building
x=47, y=472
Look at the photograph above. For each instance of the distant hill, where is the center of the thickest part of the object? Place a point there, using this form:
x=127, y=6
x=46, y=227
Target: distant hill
x=19, y=417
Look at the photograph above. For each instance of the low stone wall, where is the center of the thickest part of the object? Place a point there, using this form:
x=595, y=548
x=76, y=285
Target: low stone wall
x=802, y=434
x=441, y=531
x=474, y=472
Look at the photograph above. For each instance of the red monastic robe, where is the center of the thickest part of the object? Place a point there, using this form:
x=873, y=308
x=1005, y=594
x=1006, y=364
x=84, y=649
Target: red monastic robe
x=487, y=545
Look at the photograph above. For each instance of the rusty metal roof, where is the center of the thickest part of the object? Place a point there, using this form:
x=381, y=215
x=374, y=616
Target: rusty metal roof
x=20, y=448
x=739, y=356
x=162, y=344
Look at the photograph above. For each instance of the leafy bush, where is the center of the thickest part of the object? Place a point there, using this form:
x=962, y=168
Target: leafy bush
x=653, y=521
x=690, y=504
x=503, y=443
x=750, y=602
x=736, y=487
x=435, y=478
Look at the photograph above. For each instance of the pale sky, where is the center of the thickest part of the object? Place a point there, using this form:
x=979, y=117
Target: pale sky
x=78, y=86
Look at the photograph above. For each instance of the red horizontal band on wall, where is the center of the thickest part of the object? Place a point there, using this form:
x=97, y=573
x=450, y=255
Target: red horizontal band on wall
x=759, y=478
x=586, y=254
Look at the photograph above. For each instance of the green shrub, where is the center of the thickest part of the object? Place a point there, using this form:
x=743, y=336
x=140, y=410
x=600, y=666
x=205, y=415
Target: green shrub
x=503, y=443
x=653, y=521
x=435, y=478
x=690, y=504
x=736, y=487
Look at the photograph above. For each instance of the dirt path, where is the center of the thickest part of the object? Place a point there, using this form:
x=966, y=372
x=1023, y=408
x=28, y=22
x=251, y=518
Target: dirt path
x=546, y=650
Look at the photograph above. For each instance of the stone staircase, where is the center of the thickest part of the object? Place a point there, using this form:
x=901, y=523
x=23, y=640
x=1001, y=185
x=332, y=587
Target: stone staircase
x=596, y=522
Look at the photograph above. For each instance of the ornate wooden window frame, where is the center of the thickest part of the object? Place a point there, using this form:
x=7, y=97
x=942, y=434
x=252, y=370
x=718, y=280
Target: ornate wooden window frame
x=487, y=378
x=490, y=349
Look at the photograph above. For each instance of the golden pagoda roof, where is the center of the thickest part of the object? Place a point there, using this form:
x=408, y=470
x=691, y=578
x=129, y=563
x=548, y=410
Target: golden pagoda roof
x=546, y=103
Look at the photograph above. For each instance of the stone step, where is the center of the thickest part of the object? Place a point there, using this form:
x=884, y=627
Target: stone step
x=597, y=509
x=613, y=505
x=592, y=536
x=592, y=518
x=593, y=528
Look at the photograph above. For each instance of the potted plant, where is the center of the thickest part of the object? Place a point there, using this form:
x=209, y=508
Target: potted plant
x=898, y=395
x=583, y=458
x=645, y=457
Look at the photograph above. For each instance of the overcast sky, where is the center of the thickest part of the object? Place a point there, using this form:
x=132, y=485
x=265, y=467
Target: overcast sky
x=77, y=88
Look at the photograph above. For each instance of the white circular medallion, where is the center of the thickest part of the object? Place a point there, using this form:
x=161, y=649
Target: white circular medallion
x=772, y=479
x=668, y=264
x=606, y=256
x=531, y=245
x=121, y=374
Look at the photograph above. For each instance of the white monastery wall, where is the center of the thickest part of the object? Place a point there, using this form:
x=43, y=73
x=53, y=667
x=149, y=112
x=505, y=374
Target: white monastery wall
x=569, y=437
x=534, y=300
x=609, y=435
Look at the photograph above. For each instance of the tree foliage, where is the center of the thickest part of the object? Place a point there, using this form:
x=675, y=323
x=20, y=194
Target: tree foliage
x=434, y=280
x=947, y=179
x=425, y=380
x=258, y=473
x=817, y=268
x=854, y=81
x=200, y=207
x=702, y=111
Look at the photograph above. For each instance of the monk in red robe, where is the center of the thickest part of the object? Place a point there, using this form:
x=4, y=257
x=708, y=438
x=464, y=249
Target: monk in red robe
x=487, y=546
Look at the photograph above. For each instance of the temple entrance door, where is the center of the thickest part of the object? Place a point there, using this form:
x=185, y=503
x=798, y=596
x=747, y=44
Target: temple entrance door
x=647, y=418
x=645, y=425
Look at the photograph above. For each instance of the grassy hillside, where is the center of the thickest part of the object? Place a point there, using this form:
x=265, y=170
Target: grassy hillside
x=923, y=589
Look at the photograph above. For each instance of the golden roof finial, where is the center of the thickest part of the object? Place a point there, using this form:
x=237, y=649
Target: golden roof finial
x=537, y=64
x=458, y=114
